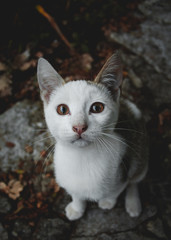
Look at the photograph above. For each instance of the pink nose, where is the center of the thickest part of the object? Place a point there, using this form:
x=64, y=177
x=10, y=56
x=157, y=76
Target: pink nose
x=79, y=129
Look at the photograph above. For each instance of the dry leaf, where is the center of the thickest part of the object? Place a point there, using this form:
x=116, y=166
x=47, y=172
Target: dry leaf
x=15, y=188
x=5, y=86
x=4, y=187
x=21, y=59
x=3, y=67
x=28, y=149
x=25, y=66
x=165, y=115
x=86, y=61
x=54, y=185
x=10, y=144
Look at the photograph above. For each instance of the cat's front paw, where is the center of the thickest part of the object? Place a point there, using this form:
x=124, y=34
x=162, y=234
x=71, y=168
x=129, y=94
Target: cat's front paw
x=133, y=208
x=107, y=203
x=71, y=213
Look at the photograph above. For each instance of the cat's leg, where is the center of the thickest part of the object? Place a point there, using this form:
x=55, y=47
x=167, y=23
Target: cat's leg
x=132, y=200
x=110, y=201
x=107, y=203
x=75, y=209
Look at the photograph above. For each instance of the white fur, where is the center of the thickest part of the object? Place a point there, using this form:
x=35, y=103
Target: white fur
x=87, y=167
x=83, y=167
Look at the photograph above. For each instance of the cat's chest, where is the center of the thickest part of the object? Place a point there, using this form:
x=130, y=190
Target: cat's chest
x=82, y=170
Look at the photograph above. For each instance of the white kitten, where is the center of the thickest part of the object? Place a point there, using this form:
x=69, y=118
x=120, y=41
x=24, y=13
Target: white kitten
x=92, y=161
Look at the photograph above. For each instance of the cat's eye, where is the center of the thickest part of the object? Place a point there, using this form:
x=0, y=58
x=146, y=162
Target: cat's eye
x=97, y=107
x=62, y=109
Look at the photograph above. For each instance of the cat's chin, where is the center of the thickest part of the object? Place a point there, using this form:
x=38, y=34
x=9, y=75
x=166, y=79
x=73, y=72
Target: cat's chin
x=81, y=142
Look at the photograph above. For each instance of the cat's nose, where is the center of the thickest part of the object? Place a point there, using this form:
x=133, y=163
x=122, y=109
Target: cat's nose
x=79, y=129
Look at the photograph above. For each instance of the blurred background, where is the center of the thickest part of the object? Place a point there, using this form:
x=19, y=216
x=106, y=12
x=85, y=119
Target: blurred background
x=76, y=37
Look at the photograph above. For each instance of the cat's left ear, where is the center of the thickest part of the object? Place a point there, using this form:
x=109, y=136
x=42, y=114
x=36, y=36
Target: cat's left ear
x=111, y=75
x=48, y=79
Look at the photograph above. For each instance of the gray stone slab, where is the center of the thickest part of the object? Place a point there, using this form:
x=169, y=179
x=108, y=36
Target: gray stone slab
x=52, y=229
x=5, y=205
x=3, y=233
x=20, y=127
x=97, y=221
x=151, y=43
x=117, y=236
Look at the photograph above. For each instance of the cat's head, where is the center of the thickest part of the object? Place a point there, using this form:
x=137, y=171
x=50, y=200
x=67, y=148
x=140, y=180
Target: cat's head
x=80, y=112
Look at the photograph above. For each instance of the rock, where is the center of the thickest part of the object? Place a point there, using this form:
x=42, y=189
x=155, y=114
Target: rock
x=21, y=230
x=52, y=229
x=150, y=45
x=156, y=227
x=3, y=233
x=5, y=206
x=21, y=127
x=97, y=221
x=117, y=236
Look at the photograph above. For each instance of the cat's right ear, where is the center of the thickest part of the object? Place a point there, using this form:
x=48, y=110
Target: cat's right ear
x=48, y=79
x=111, y=75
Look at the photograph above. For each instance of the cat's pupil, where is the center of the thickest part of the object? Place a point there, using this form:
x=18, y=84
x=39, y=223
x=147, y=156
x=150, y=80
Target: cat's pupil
x=62, y=109
x=97, y=107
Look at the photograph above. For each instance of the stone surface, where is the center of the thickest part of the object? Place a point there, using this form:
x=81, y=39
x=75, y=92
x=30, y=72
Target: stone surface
x=116, y=220
x=3, y=233
x=156, y=227
x=52, y=229
x=21, y=136
x=22, y=230
x=5, y=206
x=150, y=45
x=118, y=236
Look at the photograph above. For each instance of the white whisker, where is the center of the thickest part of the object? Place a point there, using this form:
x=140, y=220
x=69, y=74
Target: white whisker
x=119, y=139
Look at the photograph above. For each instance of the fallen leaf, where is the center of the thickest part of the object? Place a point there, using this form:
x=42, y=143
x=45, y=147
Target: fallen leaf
x=28, y=149
x=86, y=61
x=54, y=185
x=5, y=85
x=10, y=144
x=25, y=66
x=20, y=59
x=39, y=204
x=165, y=115
x=3, y=67
x=15, y=187
x=4, y=187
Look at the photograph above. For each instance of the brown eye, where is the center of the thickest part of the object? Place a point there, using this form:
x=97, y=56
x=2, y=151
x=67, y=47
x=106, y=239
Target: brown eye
x=97, y=107
x=62, y=109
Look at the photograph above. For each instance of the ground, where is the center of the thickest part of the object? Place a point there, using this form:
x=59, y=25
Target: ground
x=32, y=204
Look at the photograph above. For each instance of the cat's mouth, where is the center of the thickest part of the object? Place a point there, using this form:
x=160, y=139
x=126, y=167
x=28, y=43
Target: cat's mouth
x=80, y=142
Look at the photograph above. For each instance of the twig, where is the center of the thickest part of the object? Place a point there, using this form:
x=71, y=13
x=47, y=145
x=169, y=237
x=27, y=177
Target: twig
x=55, y=26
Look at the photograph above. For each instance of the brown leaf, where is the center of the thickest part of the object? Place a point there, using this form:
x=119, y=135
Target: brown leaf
x=54, y=185
x=86, y=61
x=21, y=59
x=165, y=115
x=3, y=67
x=28, y=149
x=4, y=187
x=10, y=144
x=5, y=85
x=15, y=187
x=39, y=204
